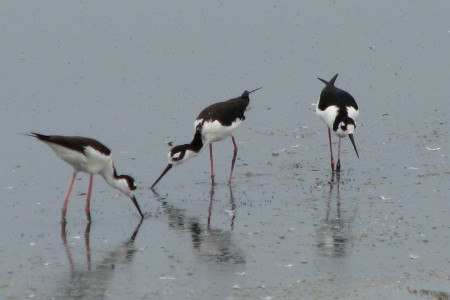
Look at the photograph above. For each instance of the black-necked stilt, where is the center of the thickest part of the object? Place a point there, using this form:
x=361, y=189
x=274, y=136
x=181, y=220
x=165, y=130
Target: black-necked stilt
x=337, y=109
x=92, y=157
x=214, y=123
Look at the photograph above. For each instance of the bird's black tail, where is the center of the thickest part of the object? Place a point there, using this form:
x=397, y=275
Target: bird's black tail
x=331, y=82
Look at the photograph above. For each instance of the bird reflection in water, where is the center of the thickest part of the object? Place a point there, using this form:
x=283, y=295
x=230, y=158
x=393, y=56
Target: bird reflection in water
x=87, y=283
x=232, y=209
x=334, y=236
x=210, y=244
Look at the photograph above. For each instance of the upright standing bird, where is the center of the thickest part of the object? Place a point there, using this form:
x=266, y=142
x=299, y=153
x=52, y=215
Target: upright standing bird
x=337, y=109
x=92, y=157
x=214, y=123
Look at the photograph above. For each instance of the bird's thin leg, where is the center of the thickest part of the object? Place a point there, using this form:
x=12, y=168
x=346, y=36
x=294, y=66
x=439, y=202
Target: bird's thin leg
x=87, y=208
x=331, y=149
x=212, y=163
x=66, y=200
x=338, y=166
x=235, y=151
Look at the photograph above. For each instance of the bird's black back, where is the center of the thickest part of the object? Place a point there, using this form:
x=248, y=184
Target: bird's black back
x=226, y=112
x=76, y=143
x=332, y=95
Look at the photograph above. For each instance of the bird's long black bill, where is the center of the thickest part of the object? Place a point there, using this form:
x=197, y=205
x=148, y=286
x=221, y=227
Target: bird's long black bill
x=353, y=142
x=133, y=198
x=255, y=90
x=169, y=166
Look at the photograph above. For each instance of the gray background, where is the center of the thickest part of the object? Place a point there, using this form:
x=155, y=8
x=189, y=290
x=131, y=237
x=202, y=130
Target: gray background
x=136, y=74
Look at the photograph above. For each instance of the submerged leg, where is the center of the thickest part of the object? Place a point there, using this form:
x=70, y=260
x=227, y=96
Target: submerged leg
x=66, y=200
x=338, y=166
x=87, y=232
x=211, y=200
x=212, y=163
x=235, y=151
x=331, y=149
x=87, y=208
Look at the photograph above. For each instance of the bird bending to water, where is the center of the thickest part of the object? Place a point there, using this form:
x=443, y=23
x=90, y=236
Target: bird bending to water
x=214, y=123
x=338, y=109
x=92, y=157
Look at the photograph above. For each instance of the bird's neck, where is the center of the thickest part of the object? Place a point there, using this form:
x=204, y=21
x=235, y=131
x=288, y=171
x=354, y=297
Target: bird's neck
x=197, y=143
x=110, y=175
x=342, y=114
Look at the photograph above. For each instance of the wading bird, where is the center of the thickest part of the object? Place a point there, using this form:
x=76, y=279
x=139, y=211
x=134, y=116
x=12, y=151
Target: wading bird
x=214, y=123
x=92, y=157
x=337, y=109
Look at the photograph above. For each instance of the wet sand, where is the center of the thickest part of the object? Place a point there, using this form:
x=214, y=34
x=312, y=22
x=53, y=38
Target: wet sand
x=136, y=76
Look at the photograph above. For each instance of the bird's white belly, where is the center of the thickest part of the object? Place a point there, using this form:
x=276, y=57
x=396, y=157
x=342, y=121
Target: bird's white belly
x=214, y=131
x=92, y=162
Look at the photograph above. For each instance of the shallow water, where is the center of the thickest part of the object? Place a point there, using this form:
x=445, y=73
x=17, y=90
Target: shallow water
x=135, y=76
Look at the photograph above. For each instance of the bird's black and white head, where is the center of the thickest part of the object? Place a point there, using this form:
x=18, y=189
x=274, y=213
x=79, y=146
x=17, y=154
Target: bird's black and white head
x=346, y=127
x=181, y=153
x=127, y=185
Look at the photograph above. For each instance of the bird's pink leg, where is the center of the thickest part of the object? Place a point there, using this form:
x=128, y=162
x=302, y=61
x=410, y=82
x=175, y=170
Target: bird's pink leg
x=66, y=200
x=212, y=163
x=331, y=149
x=235, y=151
x=87, y=208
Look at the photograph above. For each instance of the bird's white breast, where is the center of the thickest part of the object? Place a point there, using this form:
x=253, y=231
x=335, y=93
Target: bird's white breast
x=328, y=115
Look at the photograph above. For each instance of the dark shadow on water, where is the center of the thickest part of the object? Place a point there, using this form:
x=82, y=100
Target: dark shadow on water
x=335, y=235
x=210, y=244
x=85, y=282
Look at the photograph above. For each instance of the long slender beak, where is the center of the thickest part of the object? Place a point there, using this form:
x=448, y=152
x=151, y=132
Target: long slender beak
x=169, y=166
x=133, y=198
x=353, y=142
x=255, y=90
